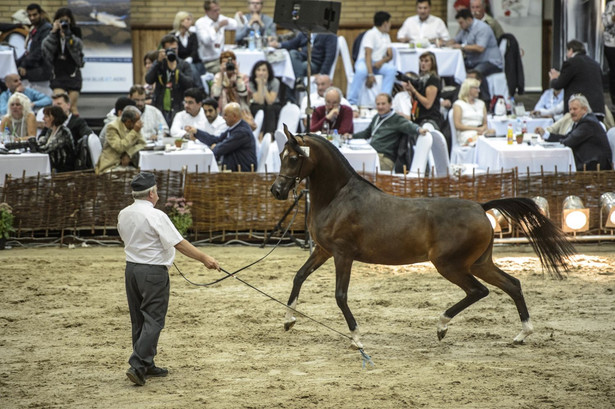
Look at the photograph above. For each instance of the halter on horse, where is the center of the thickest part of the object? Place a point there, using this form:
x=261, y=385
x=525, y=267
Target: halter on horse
x=351, y=219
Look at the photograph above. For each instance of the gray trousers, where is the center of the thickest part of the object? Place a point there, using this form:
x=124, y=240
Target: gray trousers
x=147, y=290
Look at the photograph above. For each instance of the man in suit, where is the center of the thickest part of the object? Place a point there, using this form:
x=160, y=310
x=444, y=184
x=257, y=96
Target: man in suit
x=587, y=138
x=580, y=74
x=235, y=148
x=77, y=125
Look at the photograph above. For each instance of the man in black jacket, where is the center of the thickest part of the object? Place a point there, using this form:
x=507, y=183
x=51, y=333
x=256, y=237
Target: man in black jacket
x=77, y=125
x=32, y=65
x=172, y=76
x=587, y=138
x=580, y=74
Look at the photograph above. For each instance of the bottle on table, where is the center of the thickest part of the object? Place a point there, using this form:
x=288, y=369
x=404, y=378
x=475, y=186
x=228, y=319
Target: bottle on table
x=251, y=41
x=325, y=130
x=337, y=141
x=509, y=134
x=258, y=41
x=524, y=127
x=6, y=135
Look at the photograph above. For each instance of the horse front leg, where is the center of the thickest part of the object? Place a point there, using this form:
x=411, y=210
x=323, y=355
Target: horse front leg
x=316, y=259
x=343, y=267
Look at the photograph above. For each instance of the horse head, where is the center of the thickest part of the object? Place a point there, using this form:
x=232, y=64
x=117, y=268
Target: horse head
x=295, y=166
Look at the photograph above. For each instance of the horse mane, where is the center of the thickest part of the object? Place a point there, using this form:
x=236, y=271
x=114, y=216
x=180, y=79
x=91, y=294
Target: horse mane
x=336, y=152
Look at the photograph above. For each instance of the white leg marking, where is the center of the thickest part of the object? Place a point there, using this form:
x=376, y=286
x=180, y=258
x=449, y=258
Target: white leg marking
x=356, y=342
x=289, y=313
x=527, y=329
x=443, y=323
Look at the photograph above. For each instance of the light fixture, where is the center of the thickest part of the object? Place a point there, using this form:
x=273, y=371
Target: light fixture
x=607, y=210
x=543, y=205
x=498, y=222
x=575, y=216
x=493, y=220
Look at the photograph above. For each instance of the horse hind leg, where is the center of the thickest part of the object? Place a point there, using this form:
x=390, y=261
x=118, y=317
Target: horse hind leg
x=493, y=275
x=343, y=268
x=316, y=259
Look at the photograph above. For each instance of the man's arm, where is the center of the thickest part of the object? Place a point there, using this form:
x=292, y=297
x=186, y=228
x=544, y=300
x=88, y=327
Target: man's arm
x=346, y=124
x=207, y=138
x=240, y=137
x=564, y=77
x=330, y=44
x=38, y=99
x=188, y=250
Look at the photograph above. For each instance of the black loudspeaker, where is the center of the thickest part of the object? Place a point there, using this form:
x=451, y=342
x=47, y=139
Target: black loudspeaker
x=308, y=15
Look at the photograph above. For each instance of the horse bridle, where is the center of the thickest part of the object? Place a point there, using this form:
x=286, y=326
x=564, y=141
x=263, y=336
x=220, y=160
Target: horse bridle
x=296, y=178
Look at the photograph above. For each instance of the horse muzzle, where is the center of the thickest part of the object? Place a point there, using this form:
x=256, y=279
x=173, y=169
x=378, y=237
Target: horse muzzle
x=281, y=187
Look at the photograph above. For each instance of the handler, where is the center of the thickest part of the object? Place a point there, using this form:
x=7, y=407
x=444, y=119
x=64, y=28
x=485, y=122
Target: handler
x=150, y=240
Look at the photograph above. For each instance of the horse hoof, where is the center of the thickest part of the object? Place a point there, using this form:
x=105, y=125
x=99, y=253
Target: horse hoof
x=441, y=334
x=356, y=345
x=518, y=342
x=289, y=324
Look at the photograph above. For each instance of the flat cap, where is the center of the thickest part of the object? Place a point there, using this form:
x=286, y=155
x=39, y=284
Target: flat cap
x=143, y=181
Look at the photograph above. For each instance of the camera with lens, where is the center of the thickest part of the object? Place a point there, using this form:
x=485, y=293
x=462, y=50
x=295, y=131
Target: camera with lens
x=170, y=53
x=414, y=80
x=28, y=145
x=65, y=26
x=230, y=66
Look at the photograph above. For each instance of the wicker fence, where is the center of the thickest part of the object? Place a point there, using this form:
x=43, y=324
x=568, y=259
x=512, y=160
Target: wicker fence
x=241, y=203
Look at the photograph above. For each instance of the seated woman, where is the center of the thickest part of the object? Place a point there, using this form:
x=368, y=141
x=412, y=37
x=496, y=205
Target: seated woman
x=19, y=119
x=426, y=94
x=57, y=141
x=231, y=86
x=470, y=114
x=265, y=95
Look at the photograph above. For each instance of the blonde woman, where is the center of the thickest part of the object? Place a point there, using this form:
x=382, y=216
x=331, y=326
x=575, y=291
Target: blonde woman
x=19, y=119
x=470, y=114
x=188, y=44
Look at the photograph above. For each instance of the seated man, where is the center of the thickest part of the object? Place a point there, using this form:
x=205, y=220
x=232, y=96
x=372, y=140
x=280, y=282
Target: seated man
x=115, y=113
x=423, y=26
x=477, y=7
x=235, y=148
x=587, y=138
x=550, y=104
x=386, y=130
x=154, y=124
x=77, y=125
x=13, y=84
x=192, y=115
x=334, y=115
x=214, y=124
x=317, y=98
x=255, y=20
x=375, y=56
x=123, y=142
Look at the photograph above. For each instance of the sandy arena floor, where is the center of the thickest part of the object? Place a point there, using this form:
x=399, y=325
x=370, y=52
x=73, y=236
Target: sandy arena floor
x=65, y=336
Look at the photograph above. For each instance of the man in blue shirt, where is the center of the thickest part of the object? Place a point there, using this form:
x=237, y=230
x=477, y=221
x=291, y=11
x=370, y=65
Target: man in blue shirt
x=13, y=84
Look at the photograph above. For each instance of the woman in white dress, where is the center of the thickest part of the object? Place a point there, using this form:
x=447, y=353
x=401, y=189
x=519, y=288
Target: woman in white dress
x=470, y=114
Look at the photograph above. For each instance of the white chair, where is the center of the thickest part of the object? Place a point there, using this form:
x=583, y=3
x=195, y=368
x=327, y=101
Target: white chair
x=611, y=136
x=459, y=154
x=264, y=152
x=95, y=148
x=498, y=85
x=258, y=119
x=280, y=139
x=421, y=155
x=342, y=47
x=289, y=115
x=440, y=163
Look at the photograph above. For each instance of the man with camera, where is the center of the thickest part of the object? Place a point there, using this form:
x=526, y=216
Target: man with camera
x=172, y=76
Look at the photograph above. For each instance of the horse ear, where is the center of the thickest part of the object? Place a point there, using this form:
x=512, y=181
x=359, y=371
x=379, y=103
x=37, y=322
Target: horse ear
x=291, y=138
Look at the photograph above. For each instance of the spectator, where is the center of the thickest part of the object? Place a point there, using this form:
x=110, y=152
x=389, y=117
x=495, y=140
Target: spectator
x=477, y=7
x=32, y=65
x=210, y=32
x=255, y=21
x=477, y=41
x=230, y=85
x=386, y=131
x=375, y=56
x=120, y=104
x=13, y=84
x=192, y=115
x=265, y=95
x=587, y=138
x=19, y=119
x=335, y=115
x=63, y=48
x=470, y=114
x=57, y=141
x=123, y=142
x=317, y=98
x=188, y=45
x=426, y=110
x=154, y=124
x=550, y=104
x=580, y=74
x=423, y=26
x=77, y=125
x=235, y=148
x=172, y=76
x=402, y=101
x=214, y=123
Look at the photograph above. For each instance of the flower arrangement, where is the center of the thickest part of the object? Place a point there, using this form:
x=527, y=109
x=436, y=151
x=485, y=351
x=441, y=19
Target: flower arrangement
x=178, y=211
x=6, y=220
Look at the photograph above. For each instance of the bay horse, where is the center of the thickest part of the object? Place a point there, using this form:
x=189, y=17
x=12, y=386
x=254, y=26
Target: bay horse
x=351, y=219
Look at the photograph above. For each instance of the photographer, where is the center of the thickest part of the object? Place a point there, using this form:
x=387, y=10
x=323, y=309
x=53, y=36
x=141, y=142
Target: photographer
x=63, y=48
x=425, y=91
x=172, y=77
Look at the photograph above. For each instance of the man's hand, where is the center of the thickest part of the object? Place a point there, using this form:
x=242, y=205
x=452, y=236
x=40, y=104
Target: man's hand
x=539, y=130
x=333, y=114
x=256, y=18
x=138, y=126
x=220, y=24
x=22, y=71
x=211, y=263
x=553, y=74
x=371, y=80
x=422, y=131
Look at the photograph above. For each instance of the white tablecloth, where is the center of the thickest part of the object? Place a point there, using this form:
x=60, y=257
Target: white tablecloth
x=360, y=124
x=450, y=61
x=7, y=64
x=362, y=159
x=495, y=154
x=283, y=69
x=203, y=158
x=500, y=124
x=32, y=163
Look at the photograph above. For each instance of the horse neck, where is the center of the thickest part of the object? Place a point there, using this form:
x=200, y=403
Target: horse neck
x=329, y=176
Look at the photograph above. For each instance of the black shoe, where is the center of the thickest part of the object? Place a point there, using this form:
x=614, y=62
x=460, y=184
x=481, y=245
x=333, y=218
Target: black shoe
x=135, y=377
x=156, y=372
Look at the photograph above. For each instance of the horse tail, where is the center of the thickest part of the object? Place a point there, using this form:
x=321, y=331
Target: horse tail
x=547, y=240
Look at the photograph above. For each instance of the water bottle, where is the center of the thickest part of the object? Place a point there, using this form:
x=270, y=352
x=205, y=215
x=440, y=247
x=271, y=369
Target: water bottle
x=518, y=126
x=336, y=138
x=258, y=41
x=251, y=41
x=6, y=135
x=325, y=129
x=160, y=134
x=509, y=134
x=524, y=128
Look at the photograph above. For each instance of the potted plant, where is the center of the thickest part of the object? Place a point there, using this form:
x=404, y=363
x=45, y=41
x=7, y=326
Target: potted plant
x=6, y=223
x=178, y=211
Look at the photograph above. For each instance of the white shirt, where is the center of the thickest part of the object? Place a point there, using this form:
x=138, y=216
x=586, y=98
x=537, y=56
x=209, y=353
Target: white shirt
x=152, y=118
x=148, y=234
x=211, y=42
x=317, y=101
x=402, y=102
x=183, y=119
x=378, y=41
x=414, y=29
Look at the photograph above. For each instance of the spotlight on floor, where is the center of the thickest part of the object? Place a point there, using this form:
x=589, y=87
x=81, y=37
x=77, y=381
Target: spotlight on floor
x=575, y=216
x=607, y=210
x=494, y=220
